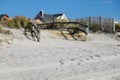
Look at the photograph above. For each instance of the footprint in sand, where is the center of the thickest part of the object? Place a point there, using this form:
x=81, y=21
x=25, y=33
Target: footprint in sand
x=72, y=59
x=97, y=56
x=61, y=62
x=91, y=57
x=114, y=54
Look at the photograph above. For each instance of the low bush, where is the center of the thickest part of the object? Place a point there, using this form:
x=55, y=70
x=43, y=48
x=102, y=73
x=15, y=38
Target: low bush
x=10, y=24
x=117, y=27
x=29, y=26
x=17, y=22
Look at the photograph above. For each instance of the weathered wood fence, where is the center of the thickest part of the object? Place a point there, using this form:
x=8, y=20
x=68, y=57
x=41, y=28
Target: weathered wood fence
x=99, y=24
x=80, y=27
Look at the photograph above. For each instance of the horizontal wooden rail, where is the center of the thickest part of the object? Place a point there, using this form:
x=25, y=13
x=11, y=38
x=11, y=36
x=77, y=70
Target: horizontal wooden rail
x=79, y=27
x=53, y=23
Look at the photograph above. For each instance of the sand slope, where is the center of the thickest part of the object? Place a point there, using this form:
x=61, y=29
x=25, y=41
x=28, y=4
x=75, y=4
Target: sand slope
x=56, y=58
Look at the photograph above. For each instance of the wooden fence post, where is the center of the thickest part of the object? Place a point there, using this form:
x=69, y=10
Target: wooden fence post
x=53, y=23
x=100, y=23
x=113, y=25
x=77, y=20
x=90, y=21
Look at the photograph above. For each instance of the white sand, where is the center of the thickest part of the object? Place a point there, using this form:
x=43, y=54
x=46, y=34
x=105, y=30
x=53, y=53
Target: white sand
x=55, y=58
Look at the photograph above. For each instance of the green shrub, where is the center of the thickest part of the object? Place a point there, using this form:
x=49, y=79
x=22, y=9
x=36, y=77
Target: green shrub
x=17, y=22
x=10, y=24
x=117, y=27
x=24, y=22
x=20, y=22
x=28, y=26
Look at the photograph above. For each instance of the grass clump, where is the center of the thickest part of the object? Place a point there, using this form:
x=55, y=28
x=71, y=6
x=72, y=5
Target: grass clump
x=17, y=22
x=117, y=27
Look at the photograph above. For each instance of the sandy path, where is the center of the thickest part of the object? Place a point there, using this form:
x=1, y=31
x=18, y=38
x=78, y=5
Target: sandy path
x=57, y=59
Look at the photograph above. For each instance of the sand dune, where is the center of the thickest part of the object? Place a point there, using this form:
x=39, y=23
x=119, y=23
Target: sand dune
x=55, y=58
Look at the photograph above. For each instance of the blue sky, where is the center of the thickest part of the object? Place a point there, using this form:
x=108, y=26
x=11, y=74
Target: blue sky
x=72, y=8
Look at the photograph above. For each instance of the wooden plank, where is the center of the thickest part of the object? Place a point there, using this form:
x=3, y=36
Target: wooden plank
x=53, y=23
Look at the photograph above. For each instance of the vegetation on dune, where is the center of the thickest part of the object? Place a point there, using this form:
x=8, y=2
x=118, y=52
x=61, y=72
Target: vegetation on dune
x=17, y=22
x=117, y=27
x=29, y=26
